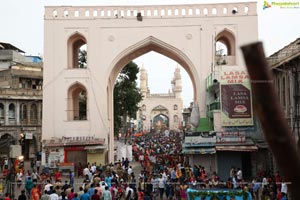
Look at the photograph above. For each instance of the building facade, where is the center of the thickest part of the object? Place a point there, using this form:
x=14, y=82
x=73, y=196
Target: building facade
x=160, y=111
x=21, y=81
x=78, y=101
x=285, y=64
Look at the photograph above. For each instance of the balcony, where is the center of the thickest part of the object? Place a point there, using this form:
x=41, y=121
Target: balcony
x=215, y=105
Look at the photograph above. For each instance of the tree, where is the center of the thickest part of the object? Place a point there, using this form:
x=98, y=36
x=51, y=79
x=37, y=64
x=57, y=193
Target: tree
x=82, y=58
x=127, y=96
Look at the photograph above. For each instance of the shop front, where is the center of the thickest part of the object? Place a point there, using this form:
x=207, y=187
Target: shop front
x=78, y=151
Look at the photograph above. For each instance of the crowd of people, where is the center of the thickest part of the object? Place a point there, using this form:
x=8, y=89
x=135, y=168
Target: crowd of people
x=164, y=174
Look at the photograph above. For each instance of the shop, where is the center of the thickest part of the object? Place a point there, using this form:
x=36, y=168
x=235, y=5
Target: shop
x=76, y=150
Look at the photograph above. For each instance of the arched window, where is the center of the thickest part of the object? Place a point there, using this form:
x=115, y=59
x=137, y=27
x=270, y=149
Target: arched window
x=33, y=112
x=175, y=118
x=144, y=107
x=77, y=51
x=77, y=102
x=225, y=48
x=11, y=111
x=23, y=112
x=175, y=107
x=1, y=111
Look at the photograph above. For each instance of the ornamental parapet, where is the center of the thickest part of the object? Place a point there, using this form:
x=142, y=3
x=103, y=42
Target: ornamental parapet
x=151, y=11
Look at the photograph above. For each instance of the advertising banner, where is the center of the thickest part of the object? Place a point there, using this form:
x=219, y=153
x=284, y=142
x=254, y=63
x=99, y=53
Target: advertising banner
x=236, y=101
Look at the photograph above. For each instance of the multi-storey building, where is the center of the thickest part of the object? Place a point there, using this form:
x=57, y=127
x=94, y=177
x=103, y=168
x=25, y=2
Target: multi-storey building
x=285, y=64
x=21, y=79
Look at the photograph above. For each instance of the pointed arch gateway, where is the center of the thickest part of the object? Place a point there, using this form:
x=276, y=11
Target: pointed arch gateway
x=148, y=44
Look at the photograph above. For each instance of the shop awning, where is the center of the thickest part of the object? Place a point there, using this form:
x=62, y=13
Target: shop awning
x=209, y=150
x=243, y=148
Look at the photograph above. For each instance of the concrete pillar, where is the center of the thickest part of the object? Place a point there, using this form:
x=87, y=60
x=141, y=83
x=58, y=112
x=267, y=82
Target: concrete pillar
x=6, y=112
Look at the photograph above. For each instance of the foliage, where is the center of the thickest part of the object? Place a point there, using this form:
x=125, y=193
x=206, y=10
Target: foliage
x=82, y=58
x=126, y=96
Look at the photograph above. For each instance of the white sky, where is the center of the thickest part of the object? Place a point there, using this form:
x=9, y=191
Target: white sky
x=22, y=25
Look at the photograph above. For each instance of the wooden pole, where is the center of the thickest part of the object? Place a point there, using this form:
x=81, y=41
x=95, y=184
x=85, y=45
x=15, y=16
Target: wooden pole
x=271, y=116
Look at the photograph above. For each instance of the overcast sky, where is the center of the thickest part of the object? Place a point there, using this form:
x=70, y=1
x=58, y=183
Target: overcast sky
x=22, y=25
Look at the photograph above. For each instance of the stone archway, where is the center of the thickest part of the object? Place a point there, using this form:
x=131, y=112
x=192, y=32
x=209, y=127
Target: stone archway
x=148, y=44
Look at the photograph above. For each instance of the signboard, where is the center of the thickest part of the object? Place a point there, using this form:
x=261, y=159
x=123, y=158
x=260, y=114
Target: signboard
x=200, y=137
x=28, y=136
x=236, y=101
x=231, y=137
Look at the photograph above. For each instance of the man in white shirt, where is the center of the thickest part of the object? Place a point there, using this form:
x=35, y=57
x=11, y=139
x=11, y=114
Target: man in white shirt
x=86, y=171
x=127, y=191
x=93, y=168
x=54, y=196
x=161, y=186
x=284, y=187
x=47, y=186
x=129, y=170
x=239, y=175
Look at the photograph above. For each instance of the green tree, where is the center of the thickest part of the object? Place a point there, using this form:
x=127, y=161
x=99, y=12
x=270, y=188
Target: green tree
x=126, y=96
x=82, y=58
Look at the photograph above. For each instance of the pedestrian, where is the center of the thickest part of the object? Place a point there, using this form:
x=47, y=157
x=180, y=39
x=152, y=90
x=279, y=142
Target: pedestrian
x=32, y=164
x=141, y=195
x=75, y=197
x=6, y=197
x=95, y=196
x=28, y=186
x=35, y=193
x=22, y=196
x=45, y=196
x=54, y=196
x=183, y=193
x=85, y=195
x=71, y=178
x=106, y=195
x=161, y=186
x=71, y=195
x=38, y=165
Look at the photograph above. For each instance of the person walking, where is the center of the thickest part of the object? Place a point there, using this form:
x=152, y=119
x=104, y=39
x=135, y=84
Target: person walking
x=22, y=196
x=35, y=193
x=28, y=186
x=7, y=197
x=95, y=196
x=106, y=195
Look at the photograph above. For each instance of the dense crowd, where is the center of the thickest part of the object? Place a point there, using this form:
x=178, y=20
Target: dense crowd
x=164, y=174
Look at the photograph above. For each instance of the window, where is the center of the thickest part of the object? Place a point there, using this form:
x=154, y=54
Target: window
x=175, y=107
x=11, y=111
x=175, y=118
x=1, y=111
x=227, y=38
x=33, y=112
x=77, y=102
x=23, y=111
x=77, y=51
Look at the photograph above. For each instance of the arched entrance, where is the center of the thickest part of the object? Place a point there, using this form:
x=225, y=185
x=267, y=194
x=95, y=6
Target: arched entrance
x=148, y=44
x=5, y=141
x=160, y=122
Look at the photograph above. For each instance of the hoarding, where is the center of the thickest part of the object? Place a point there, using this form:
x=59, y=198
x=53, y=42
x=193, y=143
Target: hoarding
x=236, y=101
